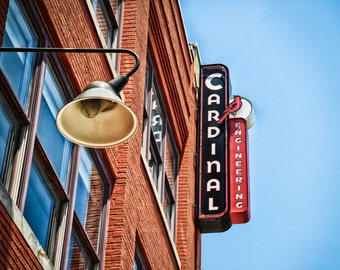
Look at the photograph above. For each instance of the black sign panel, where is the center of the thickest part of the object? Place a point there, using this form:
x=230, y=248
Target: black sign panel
x=213, y=150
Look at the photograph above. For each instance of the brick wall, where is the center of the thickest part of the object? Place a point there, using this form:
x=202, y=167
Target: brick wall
x=15, y=253
x=135, y=216
x=3, y=14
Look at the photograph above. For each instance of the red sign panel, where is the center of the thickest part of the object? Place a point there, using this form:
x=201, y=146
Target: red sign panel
x=213, y=187
x=238, y=171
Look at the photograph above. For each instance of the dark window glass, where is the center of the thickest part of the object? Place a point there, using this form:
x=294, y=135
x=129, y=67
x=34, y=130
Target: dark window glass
x=39, y=206
x=76, y=259
x=6, y=127
x=58, y=149
x=139, y=263
x=107, y=14
x=89, y=196
x=18, y=67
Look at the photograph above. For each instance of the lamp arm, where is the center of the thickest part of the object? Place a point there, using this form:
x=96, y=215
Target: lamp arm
x=78, y=50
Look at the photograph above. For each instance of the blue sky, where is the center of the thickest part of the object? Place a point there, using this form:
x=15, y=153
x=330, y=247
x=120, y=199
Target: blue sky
x=284, y=56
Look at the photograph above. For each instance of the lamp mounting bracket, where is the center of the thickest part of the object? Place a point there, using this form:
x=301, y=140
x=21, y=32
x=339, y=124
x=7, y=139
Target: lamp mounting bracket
x=77, y=50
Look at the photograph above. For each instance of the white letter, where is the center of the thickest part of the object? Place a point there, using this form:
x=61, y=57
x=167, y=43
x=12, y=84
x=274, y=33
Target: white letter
x=156, y=120
x=238, y=155
x=239, y=204
x=238, y=132
x=211, y=134
x=238, y=140
x=211, y=205
x=209, y=79
x=158, y=136
x=213, y=115
x=213, y=149
x=213, y=184
x=214, y=98
x=238, y=179
x=239, y=196
x=216, y=162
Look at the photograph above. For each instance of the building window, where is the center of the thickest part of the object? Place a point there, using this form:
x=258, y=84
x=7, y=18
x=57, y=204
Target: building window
x=159, y=149
x=40, y=206
x=59, y=149
x=84, y=247
x=8, y=131
x=76, y=256
x=58, y=187
x=139, y=263
x=18, y=66
x=108, y=17
x=171, y=167
x=89, y=194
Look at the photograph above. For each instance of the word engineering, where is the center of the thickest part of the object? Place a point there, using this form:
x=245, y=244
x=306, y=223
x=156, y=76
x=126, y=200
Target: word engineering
x=238, y=171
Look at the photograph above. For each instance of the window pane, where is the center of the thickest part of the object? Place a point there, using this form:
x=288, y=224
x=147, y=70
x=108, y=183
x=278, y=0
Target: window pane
x=5, y=134
x=156, y=121
x=89, y=196
x=58, y=149
x=18, y=67
x=137, y=265
x=168, y=207
x=155, y=166
x=104, y=22
x=159, y=148
x=171, y=163
x=116, y=4
x=76, y=258
x=83, y=187
x=145, y=135
x=39, y=206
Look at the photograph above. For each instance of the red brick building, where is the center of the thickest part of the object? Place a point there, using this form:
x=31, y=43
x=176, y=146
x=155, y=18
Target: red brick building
x=63, y=206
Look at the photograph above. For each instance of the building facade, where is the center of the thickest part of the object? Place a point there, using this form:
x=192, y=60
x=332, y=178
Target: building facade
x=63, y=206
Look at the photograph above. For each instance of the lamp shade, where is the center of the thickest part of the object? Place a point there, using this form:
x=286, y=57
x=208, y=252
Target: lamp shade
x=97, y=118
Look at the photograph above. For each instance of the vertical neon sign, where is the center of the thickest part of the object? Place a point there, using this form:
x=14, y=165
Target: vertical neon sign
x=213, y=203
x=238, y=171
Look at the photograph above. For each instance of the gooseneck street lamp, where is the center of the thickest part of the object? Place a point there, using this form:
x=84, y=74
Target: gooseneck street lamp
x=97, y=118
